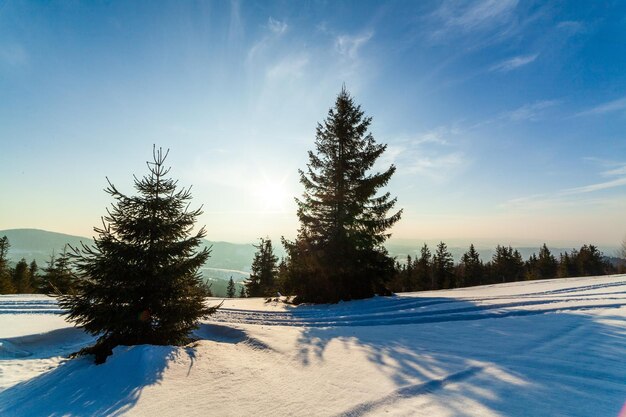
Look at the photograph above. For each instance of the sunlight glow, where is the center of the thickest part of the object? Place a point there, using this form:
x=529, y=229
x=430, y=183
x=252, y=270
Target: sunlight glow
x=272, y=195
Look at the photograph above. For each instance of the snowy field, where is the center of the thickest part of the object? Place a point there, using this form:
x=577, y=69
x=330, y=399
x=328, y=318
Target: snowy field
x=541, y=348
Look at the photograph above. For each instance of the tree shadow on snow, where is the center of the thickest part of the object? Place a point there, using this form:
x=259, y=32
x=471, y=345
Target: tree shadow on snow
x=78, y=387
x=475, y=359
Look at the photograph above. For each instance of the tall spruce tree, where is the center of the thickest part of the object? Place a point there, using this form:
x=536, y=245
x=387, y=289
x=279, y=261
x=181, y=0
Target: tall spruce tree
x=339, y=253
x=139, y=284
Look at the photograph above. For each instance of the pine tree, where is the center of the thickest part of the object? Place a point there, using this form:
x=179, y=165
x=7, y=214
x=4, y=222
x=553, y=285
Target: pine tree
x=423, y=270
x=33, y=275
x=242, y=292
x=443, y=267
x=339, y=253
x=263, y=276
x=58, y=277
x=6, y=283
x=139, y=283
x=472, y=269
x=230, y=290
x=21, y=278
x=547, y=264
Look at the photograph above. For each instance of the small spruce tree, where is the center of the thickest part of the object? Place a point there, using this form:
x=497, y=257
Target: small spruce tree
x=230, y=290
x=261, y=282
x=140, y=284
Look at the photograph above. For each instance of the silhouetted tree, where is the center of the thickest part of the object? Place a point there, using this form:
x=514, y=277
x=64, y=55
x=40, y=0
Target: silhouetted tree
x=443, y=267
x=21, y=278
x=242, y=292
x=471, y=269
x=262, y=278
x=547, y=264
x=58, y=277
x=230, y=290
x=33, y=275
x=423, y=270
x=507, y=265
x=6, y=283
x=339, y=253
x=139, y=284
x=590, y=261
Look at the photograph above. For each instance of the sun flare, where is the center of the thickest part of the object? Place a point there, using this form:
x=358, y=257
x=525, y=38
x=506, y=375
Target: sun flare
x=271, y=195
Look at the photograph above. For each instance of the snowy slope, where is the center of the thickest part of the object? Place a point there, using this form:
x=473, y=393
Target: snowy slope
x=541, y=348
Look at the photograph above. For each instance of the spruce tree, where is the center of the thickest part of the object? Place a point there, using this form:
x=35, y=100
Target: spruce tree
x=261, y=282
x=423, y=269
x=547, y=264
x=230, y=290
x=21, y=278
x=139, y=283
x=472, y=268
x=6, y=283
x=242, y=292
x=443, y=267
x=338, y=253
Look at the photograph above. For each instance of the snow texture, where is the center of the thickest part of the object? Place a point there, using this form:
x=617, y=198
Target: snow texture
x=539, y=348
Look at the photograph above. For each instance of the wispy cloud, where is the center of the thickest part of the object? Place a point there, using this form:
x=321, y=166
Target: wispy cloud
x=531, y=112
x=571, y=26
x=431, y=154
x=349, y=45
x=292, y=66
x=513, y=63
x=276, y=26
x=473, y=15
x=608, y=107
x=572, y=196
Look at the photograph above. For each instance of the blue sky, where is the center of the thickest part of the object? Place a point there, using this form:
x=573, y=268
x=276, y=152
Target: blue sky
x=505, y=119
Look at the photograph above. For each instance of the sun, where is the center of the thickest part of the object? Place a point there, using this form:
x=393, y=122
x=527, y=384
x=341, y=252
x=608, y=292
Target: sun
x=272, y=195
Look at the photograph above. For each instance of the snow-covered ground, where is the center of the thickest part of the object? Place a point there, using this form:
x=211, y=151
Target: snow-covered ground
x=541, y=348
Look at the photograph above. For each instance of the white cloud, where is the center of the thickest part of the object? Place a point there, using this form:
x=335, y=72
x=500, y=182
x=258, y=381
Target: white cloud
x=430, y=154
x=513, y=63
x=473, y=15
x=532, y=112
x=608, y=107
x=349, y=46
x=573, y=196
x=276, y=26
x=292, y=66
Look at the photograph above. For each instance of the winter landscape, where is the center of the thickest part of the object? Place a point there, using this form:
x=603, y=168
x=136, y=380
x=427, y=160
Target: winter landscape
x=541, y=348
x=312, y=208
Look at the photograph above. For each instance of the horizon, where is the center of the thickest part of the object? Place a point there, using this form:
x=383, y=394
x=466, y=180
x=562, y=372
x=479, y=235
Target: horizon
x=505, y=120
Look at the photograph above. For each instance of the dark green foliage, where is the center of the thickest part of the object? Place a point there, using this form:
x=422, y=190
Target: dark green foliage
x=339, y=253
x=543, y=267
x=262, y=280
x=507, y=265
x=21, y=278
x=230, y=290
x=471, y=269
x=139, y=283
x=58, y=277
x=242, y=292
x=6, y=283
x=423, y=269
x=442, y=268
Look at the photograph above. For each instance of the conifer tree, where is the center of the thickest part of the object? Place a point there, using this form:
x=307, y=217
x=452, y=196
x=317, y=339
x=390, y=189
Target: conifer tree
x=472, y=269
x=21, y=278
x=139, y=283
x=242, y=292
x=6, y=283
x=33, y=275
x=443, y=267
x=339, y=253
x=230, y=290
x=58, y=277
x=423, y=269
x=263, y=276
x=547, y=264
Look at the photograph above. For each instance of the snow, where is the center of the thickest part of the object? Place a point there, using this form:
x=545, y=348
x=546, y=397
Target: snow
x=540, y=348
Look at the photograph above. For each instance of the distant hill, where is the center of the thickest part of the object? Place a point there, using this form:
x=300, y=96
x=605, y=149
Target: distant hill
x=227, y=259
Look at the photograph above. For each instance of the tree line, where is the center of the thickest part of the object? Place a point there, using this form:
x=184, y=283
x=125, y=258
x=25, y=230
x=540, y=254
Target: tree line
x=29, y=278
